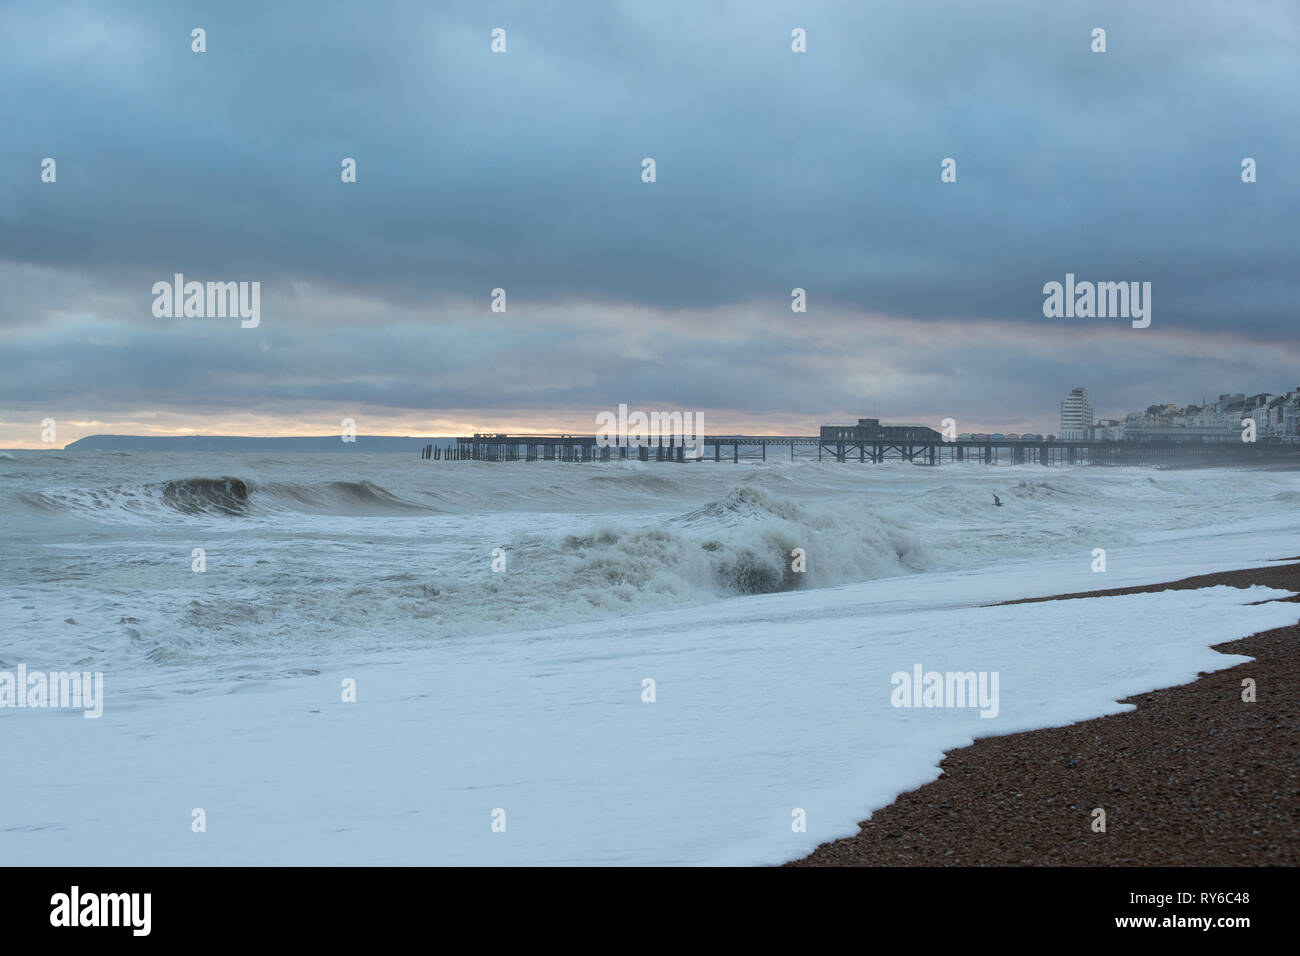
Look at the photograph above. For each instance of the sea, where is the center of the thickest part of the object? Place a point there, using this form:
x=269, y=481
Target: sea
x=364, y=657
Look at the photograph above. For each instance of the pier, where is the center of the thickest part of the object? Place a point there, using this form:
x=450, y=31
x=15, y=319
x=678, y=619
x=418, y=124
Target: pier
x=926, y=451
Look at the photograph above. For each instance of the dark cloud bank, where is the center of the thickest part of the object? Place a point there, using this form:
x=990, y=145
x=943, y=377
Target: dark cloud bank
x=522, y=170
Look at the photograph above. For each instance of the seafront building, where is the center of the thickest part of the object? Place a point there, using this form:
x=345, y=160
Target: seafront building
x=1106, y=429
x=1076, y=415
x=870, y=429
x=1274, y=416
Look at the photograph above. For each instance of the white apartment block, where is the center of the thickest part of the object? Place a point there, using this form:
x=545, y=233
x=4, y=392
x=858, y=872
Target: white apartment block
x=1076, y=414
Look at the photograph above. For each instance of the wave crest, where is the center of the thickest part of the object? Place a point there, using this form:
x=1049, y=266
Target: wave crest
x=228, y=497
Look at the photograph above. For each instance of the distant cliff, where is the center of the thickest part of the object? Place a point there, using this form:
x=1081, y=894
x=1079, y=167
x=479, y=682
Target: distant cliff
x=239, y=443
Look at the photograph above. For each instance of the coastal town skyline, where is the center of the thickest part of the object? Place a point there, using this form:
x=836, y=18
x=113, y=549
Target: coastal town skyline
x=1221, y=414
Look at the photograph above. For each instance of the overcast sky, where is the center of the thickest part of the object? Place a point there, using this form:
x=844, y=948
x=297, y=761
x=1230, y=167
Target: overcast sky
x=523, y=170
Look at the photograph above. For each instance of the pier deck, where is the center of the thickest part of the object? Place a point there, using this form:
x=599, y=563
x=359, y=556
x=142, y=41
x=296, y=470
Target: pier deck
x=736, y=448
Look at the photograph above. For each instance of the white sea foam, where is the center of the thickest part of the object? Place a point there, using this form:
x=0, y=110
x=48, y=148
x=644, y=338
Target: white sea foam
x=764, y=713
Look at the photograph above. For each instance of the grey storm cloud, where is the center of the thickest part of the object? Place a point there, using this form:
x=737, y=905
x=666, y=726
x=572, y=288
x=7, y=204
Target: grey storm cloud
x=522, y=170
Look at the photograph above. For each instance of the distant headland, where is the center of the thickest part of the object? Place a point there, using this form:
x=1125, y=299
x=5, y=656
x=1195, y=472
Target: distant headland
x=243, y=443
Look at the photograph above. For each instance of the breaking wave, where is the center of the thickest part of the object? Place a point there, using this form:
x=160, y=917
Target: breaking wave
x=226, y=496
x=194, y=496
x=748, y=542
